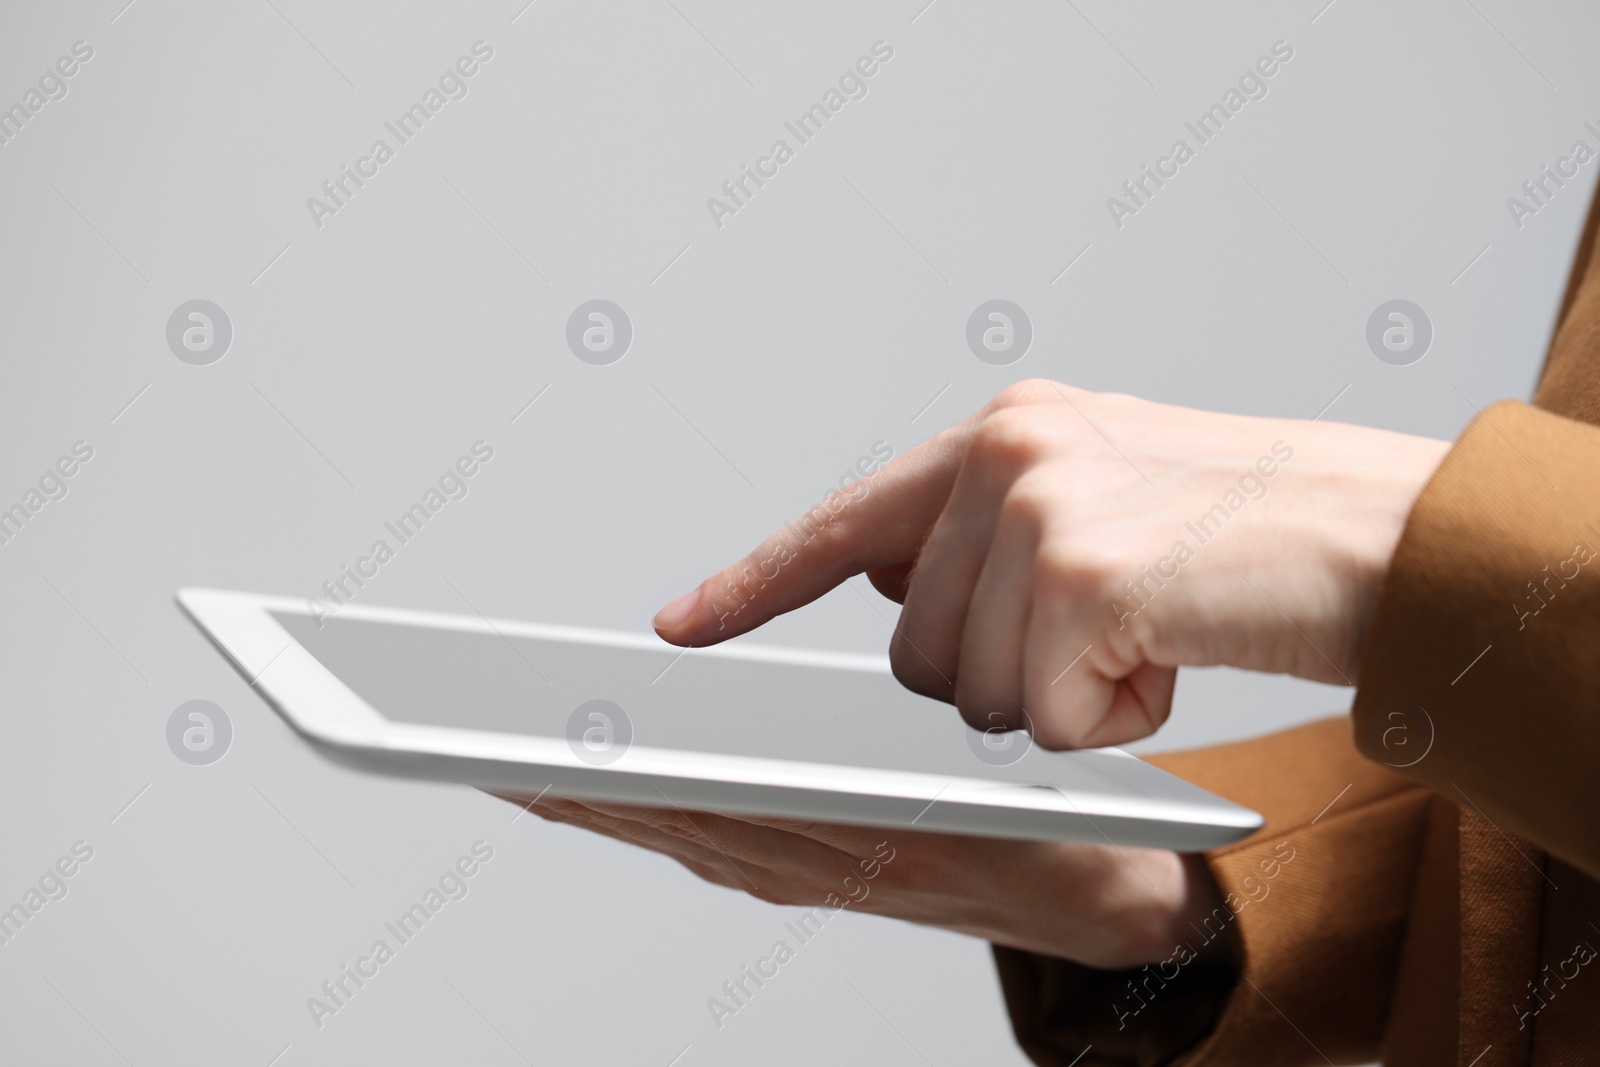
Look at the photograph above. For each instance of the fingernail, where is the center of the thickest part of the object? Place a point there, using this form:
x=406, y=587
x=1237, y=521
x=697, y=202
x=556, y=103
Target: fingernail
x=677, y=611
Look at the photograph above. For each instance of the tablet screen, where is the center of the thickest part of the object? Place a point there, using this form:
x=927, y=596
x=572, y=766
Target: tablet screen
x=665, y=698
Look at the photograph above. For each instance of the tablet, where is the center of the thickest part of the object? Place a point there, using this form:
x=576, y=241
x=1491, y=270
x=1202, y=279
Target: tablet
x=530, y=708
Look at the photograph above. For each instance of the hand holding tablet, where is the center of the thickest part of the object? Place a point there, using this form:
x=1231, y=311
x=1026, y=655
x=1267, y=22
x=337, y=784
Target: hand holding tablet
x=837, y=787
x=1051, y=579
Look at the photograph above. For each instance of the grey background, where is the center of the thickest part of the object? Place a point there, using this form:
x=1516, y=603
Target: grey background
x=767, y=357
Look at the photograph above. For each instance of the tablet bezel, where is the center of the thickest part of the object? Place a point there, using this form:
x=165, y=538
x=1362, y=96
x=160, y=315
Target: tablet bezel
x=318, y=705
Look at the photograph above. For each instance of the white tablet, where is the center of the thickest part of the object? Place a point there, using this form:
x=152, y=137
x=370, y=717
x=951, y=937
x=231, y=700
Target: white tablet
x=739, y=728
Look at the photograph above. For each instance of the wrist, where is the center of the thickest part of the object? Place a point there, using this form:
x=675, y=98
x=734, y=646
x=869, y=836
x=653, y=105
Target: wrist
x=1182, y=903
x=1158, y=902
x=1379, y=519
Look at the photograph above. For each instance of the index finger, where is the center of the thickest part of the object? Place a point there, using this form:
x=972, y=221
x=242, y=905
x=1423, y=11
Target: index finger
x=878, y=521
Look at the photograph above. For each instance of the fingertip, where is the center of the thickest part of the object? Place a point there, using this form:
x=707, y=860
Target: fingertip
x=670, y=622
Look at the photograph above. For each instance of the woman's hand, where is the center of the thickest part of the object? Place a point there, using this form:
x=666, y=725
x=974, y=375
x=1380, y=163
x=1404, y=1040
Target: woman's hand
x=1098, y=905
x=1060, y=553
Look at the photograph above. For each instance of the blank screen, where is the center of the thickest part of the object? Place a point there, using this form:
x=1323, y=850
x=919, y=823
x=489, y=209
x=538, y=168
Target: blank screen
x=693, y=701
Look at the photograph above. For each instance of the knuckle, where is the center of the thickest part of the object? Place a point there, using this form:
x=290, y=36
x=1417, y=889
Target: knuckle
x=1060, y=733
x=1078, y=568
x=1028, y=391
x=984, y=711
x=902, y=671
x=1012, y=439
x=1115, y=404
x=1033, y=498
x=967, y=704
x=912, y=670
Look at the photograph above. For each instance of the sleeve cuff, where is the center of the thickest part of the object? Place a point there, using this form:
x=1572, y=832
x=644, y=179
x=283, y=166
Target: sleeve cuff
x=1480, y=670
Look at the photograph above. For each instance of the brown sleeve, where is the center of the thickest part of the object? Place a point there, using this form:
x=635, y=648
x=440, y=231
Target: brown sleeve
x=1486, y=638
x=1480, y=679
x=1316, y=908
